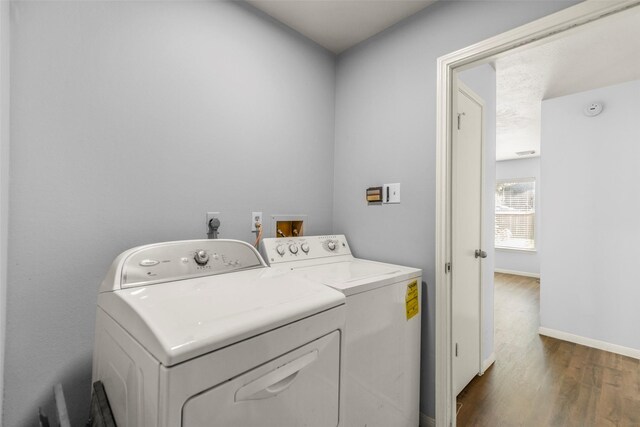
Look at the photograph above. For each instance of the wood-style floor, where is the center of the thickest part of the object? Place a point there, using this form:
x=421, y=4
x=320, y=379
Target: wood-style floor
x=542, y=381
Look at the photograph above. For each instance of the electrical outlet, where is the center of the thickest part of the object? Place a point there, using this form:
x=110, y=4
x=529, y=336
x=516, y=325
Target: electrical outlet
x=256, y=217
x=209, y=217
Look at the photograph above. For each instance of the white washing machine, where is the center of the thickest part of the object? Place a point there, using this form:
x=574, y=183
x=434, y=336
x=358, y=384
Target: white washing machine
x=382, y=357
x=202, y=333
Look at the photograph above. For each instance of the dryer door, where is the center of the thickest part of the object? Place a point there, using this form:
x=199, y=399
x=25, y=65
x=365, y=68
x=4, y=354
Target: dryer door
x=300, y=388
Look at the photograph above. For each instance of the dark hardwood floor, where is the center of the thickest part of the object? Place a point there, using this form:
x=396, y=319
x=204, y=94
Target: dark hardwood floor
x=542, y=381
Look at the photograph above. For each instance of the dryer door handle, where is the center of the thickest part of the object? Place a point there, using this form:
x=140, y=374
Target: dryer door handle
x=276, y=381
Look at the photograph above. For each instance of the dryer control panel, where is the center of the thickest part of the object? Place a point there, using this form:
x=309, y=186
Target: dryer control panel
x=170, y=261
x=288, y=249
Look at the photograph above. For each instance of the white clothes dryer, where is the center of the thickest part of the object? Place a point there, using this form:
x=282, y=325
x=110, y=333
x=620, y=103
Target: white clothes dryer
x=202, y=333
x=382, y=356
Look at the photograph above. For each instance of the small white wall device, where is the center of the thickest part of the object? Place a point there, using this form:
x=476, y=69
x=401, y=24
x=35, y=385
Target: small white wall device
x=593, y=109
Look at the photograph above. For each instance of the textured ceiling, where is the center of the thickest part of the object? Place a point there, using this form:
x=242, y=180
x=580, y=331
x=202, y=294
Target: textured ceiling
x=339, y=24
x=598, y=54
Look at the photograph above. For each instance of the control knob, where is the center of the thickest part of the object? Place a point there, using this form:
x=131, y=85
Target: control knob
x=201, y=257
x=331, y=245
x=305, y=248
x=280, y=249
x=293, y=248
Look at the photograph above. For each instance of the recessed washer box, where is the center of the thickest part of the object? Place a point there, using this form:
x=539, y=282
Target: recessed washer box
x=288, y=225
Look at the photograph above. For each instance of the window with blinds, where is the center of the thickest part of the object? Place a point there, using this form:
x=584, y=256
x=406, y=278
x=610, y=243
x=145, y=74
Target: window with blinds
x=516, y=214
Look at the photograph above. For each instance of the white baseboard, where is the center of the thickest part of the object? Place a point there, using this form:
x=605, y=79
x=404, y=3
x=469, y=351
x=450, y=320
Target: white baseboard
x=590, y=342
x=488, y=362
x=517, y=273
x=426, y=421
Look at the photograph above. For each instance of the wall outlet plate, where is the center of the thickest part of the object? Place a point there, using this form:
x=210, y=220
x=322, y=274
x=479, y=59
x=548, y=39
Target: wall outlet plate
x=209, y=217
x=256, y=217
x=391, y=193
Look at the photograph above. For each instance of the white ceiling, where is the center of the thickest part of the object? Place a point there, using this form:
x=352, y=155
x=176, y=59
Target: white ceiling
x=339, y=24
x=595, y=55
x=599, y=54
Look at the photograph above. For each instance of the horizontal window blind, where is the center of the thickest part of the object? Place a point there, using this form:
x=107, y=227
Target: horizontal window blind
x=515, y=213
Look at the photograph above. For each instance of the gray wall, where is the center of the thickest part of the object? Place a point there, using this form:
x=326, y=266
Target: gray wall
x=385, y=132
x=130, y=120
x=527, y=262
x=590, y=231
x=482, y=80
x=5, y=48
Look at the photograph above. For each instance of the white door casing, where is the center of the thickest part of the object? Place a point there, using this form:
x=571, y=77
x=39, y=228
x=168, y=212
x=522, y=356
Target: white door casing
x=466, y=229
x=532, y=34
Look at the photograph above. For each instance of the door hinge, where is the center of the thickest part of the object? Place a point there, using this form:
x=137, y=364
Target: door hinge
x=447, y=267
x=456, y=349
x=460, y=120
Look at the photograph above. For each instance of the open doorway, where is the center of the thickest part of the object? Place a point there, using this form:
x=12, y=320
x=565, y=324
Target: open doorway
x=585, y=13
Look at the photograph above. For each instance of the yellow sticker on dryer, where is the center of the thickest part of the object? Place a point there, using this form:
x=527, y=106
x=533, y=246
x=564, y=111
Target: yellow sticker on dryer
x=411, y=300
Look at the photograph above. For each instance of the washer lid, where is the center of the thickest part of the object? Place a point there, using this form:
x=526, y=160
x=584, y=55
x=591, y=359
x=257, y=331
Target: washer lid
x=357, y=275
x=177, y=321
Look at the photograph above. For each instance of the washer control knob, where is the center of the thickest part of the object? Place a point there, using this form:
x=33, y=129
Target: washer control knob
x=280, y=249
x=331, y=245
x=293, y=248
x=201, y=257
x=305, y=248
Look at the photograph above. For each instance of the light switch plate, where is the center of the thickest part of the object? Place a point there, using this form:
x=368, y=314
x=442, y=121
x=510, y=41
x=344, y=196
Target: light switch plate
x=391, y=193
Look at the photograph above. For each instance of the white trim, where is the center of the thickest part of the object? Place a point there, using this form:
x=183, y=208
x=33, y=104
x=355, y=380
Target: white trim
x=517, y=273
x=516, y=250
x=444, y=399
x=426, y=421
x=488, y=362
x=590, y=342
x=547, y=28
x=521, y=179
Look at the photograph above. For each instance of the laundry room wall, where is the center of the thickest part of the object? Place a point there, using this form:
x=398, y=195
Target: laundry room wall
x=131, y=120
x=481, y=79
x=5, y=48
x=590, y=231
x=514, y=261
x=385, y=133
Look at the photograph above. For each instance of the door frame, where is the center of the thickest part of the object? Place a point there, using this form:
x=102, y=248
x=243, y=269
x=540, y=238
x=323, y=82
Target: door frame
x=529, y=35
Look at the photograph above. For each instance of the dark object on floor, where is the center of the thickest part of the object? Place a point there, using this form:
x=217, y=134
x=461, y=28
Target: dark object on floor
x=61, y=406
x=101, y=415
x=44, y=421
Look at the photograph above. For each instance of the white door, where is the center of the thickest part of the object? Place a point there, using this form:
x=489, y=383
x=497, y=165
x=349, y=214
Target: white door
x=466, y=228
